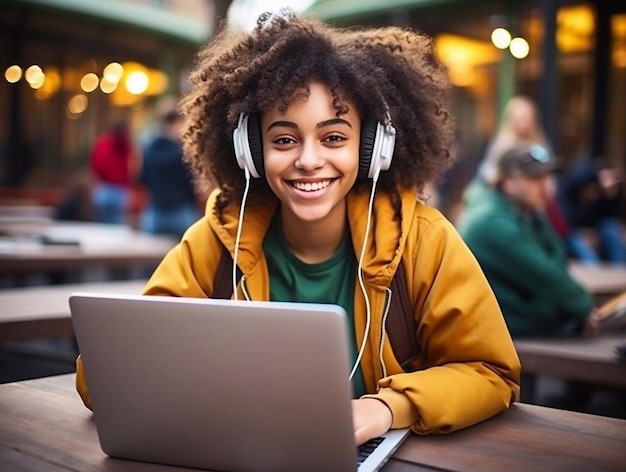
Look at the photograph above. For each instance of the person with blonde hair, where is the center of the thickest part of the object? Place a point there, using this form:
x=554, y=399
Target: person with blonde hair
x=520, y=123
x=319, y=141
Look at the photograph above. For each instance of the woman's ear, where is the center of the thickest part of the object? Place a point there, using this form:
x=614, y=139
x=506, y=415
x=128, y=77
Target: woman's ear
x=506, y=184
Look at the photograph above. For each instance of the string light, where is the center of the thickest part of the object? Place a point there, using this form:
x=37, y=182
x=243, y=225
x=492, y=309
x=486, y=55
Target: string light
x=519, y=48
x=13, y=74
x=501, y=38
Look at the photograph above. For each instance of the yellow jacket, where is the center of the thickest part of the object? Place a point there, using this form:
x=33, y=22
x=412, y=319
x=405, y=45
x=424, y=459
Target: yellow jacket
x=468, y=369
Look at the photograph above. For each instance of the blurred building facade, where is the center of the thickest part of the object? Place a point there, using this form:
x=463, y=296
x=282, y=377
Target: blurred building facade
x=58, y=94
x=71, y=67
x=567, y=55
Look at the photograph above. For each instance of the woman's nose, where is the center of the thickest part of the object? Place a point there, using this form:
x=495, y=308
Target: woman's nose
x=309, y=158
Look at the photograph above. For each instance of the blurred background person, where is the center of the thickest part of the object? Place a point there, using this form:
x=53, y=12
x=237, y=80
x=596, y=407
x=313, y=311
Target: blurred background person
x=77, y=202
x=172, y=200
x=525, y=261
x=520, y=123
x=113, y=160
x=591, y=197
x=521, y=254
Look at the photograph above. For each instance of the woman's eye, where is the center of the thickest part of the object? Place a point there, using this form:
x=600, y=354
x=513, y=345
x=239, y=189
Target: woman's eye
x=283, y=140
x=335, y=138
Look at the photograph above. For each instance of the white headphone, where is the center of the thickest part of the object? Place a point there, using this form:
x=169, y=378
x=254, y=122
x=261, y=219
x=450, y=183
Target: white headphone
x=376, y=147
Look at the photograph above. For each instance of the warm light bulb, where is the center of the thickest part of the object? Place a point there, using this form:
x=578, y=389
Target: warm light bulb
x=13, y=74
x=501, y=38
x=106, y=86
x=77, y=104
x=34, y=75
x=37, y=81
x=137, y=82
x=113, y=72
x=89, y=82
x=519, y=48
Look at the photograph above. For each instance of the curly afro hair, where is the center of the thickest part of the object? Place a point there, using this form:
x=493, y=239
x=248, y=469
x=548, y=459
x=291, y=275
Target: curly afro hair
x=376, y=70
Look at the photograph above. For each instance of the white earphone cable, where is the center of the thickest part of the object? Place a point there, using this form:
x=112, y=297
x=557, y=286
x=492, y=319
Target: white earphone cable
x=360, y=276
x=239, y=226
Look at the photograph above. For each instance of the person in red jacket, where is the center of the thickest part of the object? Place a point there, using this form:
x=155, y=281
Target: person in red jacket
x=111, y=161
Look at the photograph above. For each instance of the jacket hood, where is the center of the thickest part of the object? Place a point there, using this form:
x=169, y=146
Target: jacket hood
x=385, y=242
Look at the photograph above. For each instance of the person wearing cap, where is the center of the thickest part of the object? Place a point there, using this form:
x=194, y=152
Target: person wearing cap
x=524, y=259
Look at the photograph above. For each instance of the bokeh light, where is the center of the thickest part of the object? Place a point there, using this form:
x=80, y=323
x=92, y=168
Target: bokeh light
x=77, y=104
x=34, y=76
x=501, y=38
x=113, y=72
x=137, y=82
x=89, y=82
x=106, y=86
x=519, y=48
x=13, y=74
x=51, y=84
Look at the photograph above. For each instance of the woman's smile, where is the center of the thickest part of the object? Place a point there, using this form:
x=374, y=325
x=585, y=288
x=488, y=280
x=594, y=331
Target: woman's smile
x=311, y=186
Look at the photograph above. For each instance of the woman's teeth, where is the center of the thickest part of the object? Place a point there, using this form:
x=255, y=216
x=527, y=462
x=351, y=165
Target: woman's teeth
x=311, y=186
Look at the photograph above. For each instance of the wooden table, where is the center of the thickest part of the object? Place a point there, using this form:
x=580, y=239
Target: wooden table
x=45, y=427
x=94, y=245
x=33, y=312
x=603, y=281
x=591, y=360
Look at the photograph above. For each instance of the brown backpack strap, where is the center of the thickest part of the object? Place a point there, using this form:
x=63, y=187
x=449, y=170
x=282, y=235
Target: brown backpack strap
x=223, y=281
x=401, y=326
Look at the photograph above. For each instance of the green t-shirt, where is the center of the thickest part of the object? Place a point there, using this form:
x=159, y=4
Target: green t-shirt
x=331, y=281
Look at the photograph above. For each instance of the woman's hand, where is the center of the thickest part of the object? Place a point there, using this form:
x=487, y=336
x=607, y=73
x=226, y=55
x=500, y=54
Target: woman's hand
x=371, y=418
x=592, y=324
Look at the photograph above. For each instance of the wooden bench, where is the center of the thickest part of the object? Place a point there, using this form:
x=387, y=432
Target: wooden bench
x=591, y=360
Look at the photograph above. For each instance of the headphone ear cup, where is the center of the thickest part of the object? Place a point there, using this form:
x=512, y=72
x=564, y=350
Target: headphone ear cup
x=256, y=143
x=368, y=141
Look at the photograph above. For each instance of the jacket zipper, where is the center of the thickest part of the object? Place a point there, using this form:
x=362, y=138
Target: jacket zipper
x=382, y=331
x=244, y=288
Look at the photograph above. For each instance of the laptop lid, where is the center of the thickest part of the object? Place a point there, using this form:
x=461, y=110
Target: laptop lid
x=219, y=384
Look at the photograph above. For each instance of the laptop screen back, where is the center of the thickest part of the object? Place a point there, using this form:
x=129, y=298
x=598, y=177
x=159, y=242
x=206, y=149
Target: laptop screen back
x=218, y=384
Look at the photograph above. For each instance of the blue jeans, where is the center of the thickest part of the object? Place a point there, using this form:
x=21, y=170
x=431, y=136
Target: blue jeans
x=580, y=249
x=611, y=235
x=611, y=240
x=173, y=222
x=110, y=203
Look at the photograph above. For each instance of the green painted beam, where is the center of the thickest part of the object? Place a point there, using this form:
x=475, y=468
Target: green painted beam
x=341, y=10
x=143, y=16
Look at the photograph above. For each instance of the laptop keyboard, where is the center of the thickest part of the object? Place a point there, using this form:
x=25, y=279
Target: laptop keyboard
x=365, y=449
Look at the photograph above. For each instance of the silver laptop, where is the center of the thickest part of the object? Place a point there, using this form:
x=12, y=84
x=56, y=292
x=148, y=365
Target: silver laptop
x=221, y=385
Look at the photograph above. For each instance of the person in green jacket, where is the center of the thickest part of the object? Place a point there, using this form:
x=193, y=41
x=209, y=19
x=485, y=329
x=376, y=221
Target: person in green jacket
x=507, y=229
x=320, y=142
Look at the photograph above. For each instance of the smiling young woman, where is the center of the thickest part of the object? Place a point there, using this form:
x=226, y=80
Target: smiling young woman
x=320, y=142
